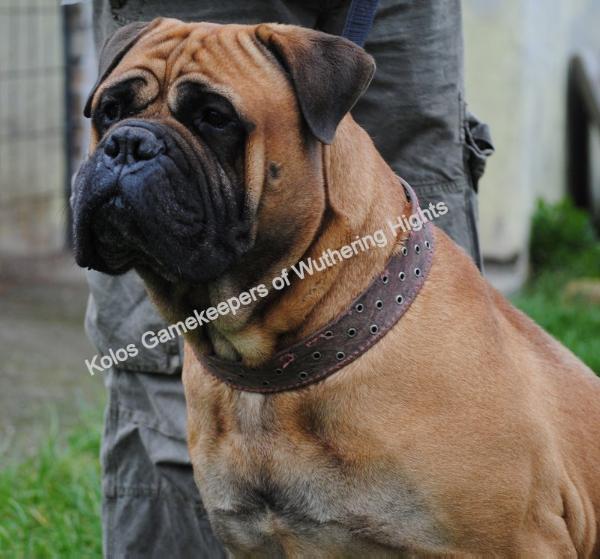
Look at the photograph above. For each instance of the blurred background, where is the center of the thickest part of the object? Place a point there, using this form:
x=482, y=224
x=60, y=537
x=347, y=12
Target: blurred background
x=532, y=73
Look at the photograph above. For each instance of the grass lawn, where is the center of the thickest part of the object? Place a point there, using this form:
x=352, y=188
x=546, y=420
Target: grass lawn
x=50, y=504
x=575, y=323
x=564, y=247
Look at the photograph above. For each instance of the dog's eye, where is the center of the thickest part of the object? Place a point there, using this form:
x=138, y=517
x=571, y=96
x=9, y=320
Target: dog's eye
x=111, y=111
x=214, y=118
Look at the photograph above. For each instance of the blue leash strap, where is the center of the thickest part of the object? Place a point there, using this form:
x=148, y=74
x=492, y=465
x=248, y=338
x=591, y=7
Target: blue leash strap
x=359, y=20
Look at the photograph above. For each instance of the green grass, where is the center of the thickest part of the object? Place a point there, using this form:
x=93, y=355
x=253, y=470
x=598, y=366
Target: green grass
x=564, y=247
x=50, y=503
x=575, y=324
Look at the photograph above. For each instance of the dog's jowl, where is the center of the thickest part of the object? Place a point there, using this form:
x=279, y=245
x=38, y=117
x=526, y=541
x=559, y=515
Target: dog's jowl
x=431, y=419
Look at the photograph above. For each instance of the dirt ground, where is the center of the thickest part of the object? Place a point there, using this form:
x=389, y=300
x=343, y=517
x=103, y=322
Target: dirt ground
x=42, y=351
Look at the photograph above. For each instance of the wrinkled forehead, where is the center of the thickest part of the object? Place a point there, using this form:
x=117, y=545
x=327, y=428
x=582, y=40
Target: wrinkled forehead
x=227, y=59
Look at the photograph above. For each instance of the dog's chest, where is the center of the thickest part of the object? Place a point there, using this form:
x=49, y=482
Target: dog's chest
x=273, y=490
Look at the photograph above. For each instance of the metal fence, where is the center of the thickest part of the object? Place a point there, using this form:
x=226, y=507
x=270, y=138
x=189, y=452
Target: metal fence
x=32, y=127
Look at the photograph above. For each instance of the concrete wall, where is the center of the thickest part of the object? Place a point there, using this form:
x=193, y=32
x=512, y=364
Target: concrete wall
x=516, y=56
x=31, y=127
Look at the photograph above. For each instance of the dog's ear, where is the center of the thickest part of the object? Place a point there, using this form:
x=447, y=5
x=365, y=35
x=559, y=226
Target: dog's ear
x=328, y=73
x=113, y=50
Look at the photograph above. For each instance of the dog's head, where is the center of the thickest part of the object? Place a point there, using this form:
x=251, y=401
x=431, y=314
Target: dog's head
x=205, y=144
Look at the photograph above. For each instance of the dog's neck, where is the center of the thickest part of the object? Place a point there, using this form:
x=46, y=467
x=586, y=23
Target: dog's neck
x=362, y=195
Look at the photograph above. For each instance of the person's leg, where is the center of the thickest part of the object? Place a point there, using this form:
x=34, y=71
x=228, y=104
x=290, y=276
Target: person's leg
x=415, y=108
x=151, y=506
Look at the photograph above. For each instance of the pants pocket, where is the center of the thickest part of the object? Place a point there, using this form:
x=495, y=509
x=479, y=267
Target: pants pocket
x=478, y=147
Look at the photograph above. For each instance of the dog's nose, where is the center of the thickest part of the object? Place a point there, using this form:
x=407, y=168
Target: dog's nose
x=130, y=144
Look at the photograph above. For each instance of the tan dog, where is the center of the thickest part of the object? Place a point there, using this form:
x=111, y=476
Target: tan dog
x=465, y=431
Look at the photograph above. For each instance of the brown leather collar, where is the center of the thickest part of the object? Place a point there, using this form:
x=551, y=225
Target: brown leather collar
x=347, y=337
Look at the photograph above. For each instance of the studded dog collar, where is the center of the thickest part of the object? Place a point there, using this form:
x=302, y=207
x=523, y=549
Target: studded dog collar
x=341, y=341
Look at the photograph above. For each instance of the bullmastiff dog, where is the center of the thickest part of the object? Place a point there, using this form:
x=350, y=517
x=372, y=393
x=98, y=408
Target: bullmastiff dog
x=221, y=157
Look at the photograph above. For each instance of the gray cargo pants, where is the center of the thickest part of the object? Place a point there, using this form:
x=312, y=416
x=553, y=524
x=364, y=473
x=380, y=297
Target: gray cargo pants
x=415, y=112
